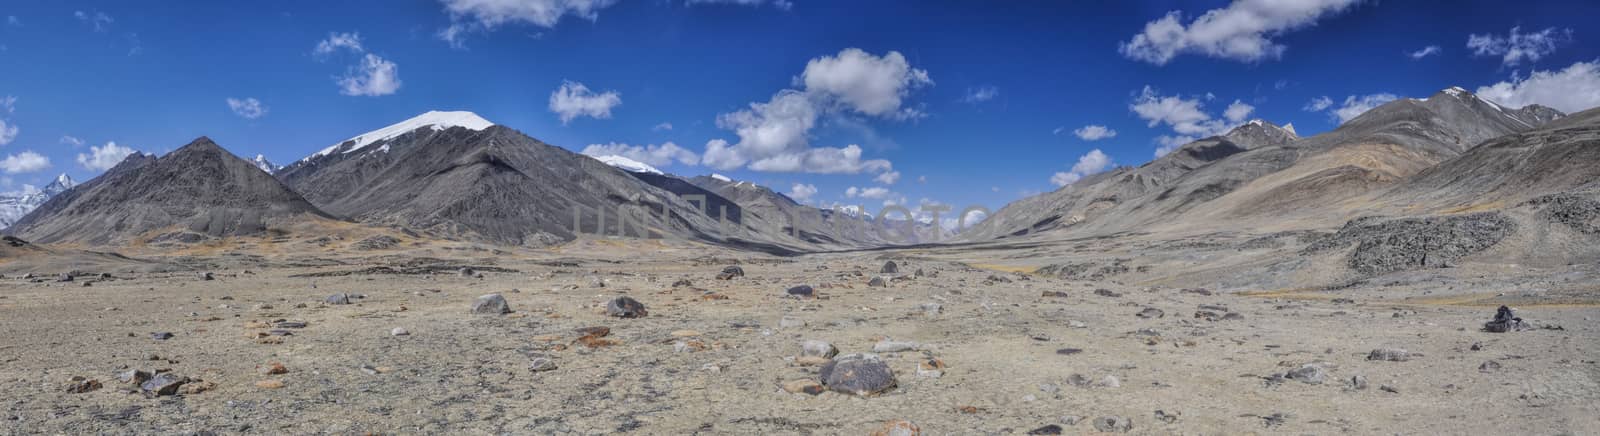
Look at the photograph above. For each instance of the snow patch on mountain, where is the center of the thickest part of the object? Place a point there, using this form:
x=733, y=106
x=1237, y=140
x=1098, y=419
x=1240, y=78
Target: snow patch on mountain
x=438, y=120
x=628, y=165
x=261, y=162
x=15, y=205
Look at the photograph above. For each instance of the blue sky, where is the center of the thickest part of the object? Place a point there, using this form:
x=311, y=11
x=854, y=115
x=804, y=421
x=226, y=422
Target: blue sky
x=967, y=102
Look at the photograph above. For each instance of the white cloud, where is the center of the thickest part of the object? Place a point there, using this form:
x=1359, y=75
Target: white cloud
x=249, y=108
x=1238, y=111
x=103, y=158
x=1168, y=143
x=1318, y=104
x=1185, y=116
x=1090, y=163
x=71, y=140
x=375, y=76
x=873, y=193
x=8, y=132
x=1517, y=47
x=1354, y=106
x=9, y=103
x=774, y=135
x=97, y=19
x=486, y=15
x=1242, y=31
x=780, y=4
x=662, y=126
x=1425, y=52
x=980, y=94
x=1573, y=89
x=654, y=155
x=24, y=162
x=888, y=177
x=336, y=41
x=802, y=192
x=1093, y=132
x=868, y=84
x=573, y=100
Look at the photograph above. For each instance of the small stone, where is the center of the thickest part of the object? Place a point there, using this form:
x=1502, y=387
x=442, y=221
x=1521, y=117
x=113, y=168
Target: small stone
x=891, y=346
x=1163, y=416
x=806, y=386
x=1151, y=312
x=541, y=364
x=1358, y=382
x=1109, y=381
x=688, y=346
x=730, y=272
x=165, y=383
x=195, y=387
x=64, y=277
x=1389, y=389
x=596, y=282
x=683, y=283
x=399, y=331
x=1308, y=374
x=270, y=384
x=133, y=377
x=889, y=268
x=1489, y=366
x=932, y=309
x=1046, y=430
x=802, y=291
x=1069, y=351
x=466, y=272
x=818, y=348
x=1106, y=293
x=878, y=282
x=626, y=307
x=898, y=427
x=273, y=368
x=932, y=368
x=338, y=299
x=290, y=324
x=861, y=374
x=491, y=304
x=80, y=384
x=1389, y=354
x=161, y=336
x=207, y=276
x=1113, y=424
x=369, y=369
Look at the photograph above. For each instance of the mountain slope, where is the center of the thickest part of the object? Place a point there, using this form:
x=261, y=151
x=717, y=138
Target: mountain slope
x=13, y=207
x=456, y=175
x=196, y=191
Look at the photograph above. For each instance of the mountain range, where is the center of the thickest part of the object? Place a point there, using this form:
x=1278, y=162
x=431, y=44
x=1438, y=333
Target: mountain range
x=14, y=205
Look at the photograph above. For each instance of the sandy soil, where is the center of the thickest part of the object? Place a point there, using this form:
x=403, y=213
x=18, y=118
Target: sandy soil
x=713, y=357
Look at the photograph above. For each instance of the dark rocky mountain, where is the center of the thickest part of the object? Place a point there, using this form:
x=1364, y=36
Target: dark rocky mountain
x=456, y=175
x=195, y=192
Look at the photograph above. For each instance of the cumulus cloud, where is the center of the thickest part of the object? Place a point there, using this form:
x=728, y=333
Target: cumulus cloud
x=1090, y=163
x=780, y=4
x=339, y=41
x=1318, y=104
x=487, y=15
x=888, y=177
x=1516, y=47
x=1425, y=52
x=98, y=20
x=1242, y=31
x=1572, y=89
x=802, y=192
x=574, y=100
x=654, y=155
x=980, y=94
x=1093, y=132
x=249, y=108
x=24, y=162
x=868, y=84
x=1354, y=106
x=103, y=158
x=774, y=135
x=375, y=76
x=1238, y=111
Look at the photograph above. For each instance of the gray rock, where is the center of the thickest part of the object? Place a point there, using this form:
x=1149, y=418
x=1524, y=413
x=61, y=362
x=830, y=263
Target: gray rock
x=399, y=331
x=818, y=348
x=932, y=309
x=861, y=374
x=683, y=283
x=891, y=346
x=1046, y=430
x=1358, y=382
x=207, y=276
x=1489, y=366
x=802, y=291
x=1151, y=312
x=165, y=383
x=1504, y=321
x=1308, y=374
x=467, y=272
x=889, y=268
x=64, y=277
x=1389, y=354
x=730, y=272
x=290, y=324
x=1106, y=293
x=133, y=377
x=1167, y=417
x=625, y=307
x=339, y=298
x=542, y=364
x=161, y=336
x=878, y=282
x=1113, y=424
x=492, y=304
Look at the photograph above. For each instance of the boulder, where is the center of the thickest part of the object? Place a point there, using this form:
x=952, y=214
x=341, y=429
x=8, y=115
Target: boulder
x=339, y=298
x=889, y=268
x=625, y=307
x=802, y=291
x=729, y=273
x=492, y=304
x=861, y=374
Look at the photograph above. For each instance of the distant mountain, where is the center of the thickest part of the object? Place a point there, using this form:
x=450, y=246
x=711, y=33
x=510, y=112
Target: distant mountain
x=1256, y=172
x=14, y=206
x=261, y=162
x=457, y=175
x=193, y=193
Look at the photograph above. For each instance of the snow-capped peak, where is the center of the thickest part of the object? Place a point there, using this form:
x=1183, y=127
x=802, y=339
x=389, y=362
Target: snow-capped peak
x=261, y=162
x=438, y=120
x=1290, y=127
x=721, y=177
x=628, y=165
x=1455, y=91
x=1255, y=122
